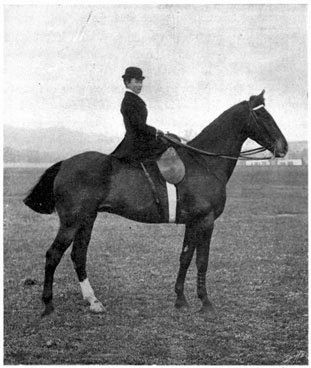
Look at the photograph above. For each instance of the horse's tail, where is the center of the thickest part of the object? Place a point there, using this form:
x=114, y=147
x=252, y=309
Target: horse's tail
x=41, y=198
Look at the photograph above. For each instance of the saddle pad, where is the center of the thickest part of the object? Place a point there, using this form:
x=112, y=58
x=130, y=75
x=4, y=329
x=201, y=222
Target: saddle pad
x=171, y=166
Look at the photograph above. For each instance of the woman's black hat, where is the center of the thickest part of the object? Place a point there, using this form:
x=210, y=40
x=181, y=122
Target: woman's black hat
x=133, y=72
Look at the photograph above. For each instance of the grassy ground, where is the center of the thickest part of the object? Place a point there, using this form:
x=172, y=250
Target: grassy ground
x=257, y=279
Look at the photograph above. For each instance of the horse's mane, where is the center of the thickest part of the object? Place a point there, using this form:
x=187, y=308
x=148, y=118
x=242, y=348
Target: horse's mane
x=218, y=125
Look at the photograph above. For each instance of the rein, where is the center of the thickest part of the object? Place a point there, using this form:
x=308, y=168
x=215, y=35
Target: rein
x=245, y=155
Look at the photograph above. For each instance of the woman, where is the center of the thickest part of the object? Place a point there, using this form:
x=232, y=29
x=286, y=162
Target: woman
x=141, y=141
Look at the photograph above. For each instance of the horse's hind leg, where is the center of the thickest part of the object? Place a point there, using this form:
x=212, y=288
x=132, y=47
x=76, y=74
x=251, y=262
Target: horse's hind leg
x=62, y=241
x=79, y=256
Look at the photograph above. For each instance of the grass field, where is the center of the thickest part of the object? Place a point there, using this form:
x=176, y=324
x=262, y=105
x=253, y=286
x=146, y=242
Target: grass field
x=257, y=280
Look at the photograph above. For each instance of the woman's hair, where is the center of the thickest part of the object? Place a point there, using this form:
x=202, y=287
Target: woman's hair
x=126, y=80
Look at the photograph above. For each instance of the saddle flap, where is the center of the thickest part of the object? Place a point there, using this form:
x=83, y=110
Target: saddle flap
x=171, y=166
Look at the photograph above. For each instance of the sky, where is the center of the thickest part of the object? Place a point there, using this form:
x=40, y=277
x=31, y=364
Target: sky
x=63, y=64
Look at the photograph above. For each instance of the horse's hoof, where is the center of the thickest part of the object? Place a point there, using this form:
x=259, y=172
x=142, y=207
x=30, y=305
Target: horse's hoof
x=181, y=303
x=208, y=311
x=97, y=307
x=49, y=309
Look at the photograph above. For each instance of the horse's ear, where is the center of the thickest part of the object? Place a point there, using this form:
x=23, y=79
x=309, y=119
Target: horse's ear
x=255, y=101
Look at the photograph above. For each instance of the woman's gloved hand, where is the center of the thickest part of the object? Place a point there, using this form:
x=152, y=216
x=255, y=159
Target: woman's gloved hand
x=159, y=133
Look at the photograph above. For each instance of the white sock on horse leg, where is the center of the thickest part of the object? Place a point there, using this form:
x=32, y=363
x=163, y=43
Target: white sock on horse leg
x=87, y=291
x=88, y=294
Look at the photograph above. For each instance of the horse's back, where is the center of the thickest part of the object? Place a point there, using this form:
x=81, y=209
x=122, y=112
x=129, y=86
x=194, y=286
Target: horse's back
x=85, y=161
x=84, y=165
x=82, y=178
x=92, y=181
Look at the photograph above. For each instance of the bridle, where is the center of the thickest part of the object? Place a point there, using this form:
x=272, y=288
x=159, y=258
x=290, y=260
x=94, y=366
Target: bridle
x=245, y=155
x=255, y=119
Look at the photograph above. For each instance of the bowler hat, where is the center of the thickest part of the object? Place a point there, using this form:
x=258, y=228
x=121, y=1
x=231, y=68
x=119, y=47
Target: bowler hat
x=133, y=72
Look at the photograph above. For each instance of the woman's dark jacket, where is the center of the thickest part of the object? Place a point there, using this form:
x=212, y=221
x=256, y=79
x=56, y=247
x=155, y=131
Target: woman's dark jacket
x=140, y=140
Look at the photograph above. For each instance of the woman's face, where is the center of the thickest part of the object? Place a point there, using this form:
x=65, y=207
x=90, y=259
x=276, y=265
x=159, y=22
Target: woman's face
x=135, y=85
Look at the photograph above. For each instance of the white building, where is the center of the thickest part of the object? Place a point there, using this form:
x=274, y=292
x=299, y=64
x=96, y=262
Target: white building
x=278, y=162
x=257, y=163
x=289, y=162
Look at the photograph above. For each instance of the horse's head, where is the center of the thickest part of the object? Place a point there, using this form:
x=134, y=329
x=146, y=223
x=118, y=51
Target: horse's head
x=263, y=129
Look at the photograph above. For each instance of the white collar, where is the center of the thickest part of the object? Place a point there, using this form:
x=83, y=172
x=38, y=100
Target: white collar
x=129, y=90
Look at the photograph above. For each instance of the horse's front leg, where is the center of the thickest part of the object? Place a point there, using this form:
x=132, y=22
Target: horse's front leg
x=184, y=260
x=203, y=238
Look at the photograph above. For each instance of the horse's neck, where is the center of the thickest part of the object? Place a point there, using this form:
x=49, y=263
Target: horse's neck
x=223, y=136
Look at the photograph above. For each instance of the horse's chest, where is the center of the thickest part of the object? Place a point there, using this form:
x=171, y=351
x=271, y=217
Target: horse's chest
x=197, y=198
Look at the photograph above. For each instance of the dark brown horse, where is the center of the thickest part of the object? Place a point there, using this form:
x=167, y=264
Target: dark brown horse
x=83, y=185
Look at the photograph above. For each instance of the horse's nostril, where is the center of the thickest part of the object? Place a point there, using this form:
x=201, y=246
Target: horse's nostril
x=281, y=148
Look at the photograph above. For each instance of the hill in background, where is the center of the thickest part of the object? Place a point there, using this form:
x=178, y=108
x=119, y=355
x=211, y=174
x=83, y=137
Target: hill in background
x=51, y=144
x=54, y=144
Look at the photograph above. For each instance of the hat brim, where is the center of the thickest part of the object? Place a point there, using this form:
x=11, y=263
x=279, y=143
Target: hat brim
x=132, y=76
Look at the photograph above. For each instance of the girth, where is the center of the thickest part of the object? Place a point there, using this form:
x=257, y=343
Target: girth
x=172, y=170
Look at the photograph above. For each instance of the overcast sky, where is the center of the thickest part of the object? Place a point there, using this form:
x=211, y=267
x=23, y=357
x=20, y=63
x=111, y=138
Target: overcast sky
x=63, y=64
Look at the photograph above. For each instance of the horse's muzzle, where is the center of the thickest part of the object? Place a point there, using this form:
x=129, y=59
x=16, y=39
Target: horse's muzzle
x=280, y=148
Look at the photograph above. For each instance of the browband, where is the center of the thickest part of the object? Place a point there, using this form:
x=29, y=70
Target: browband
x=257, y=107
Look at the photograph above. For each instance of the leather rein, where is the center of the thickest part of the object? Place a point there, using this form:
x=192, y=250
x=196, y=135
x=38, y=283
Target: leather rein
x=245, y=155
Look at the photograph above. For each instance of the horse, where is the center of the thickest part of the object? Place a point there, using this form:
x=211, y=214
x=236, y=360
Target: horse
x=83, y=185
